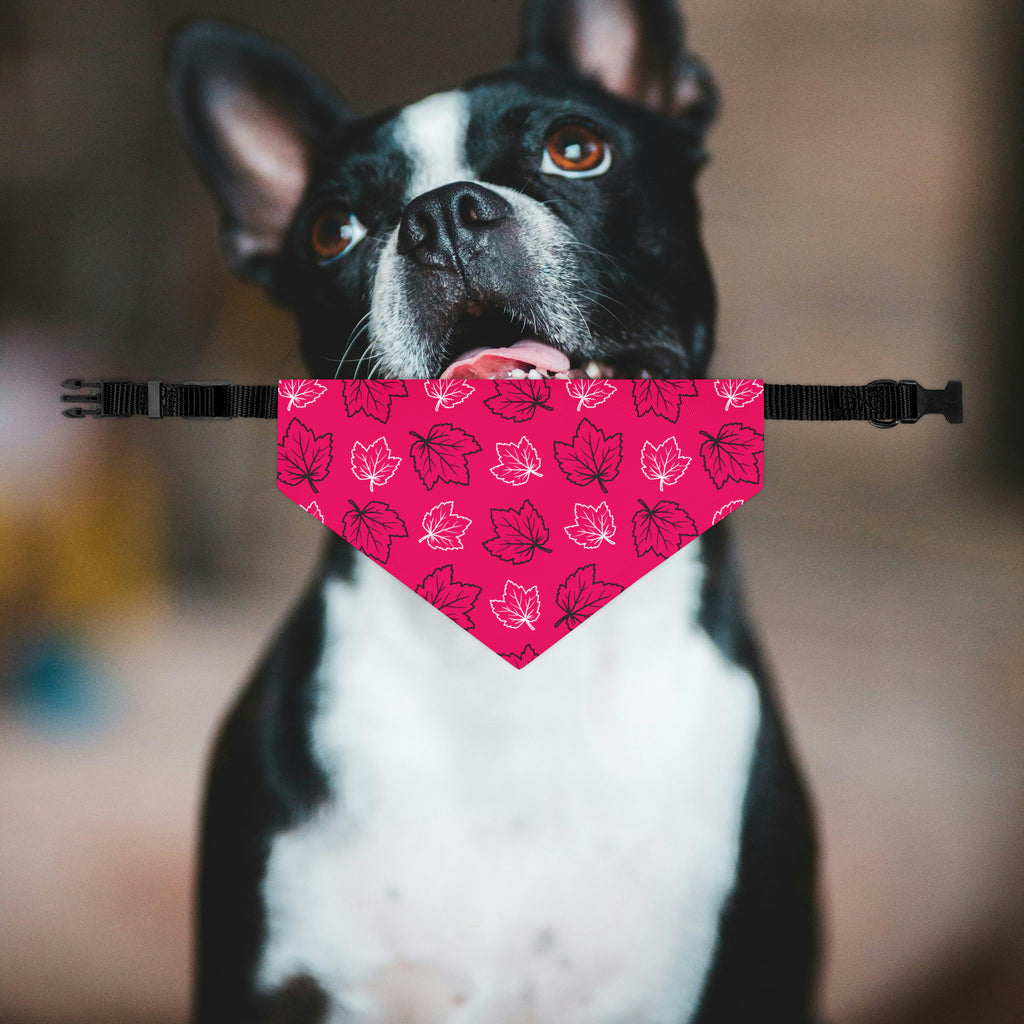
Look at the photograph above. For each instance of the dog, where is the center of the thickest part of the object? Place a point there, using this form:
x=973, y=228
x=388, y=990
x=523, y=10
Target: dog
x=399, y=828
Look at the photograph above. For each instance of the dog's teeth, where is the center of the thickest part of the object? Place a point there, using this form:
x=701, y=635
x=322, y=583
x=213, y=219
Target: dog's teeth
x=535, y=374
x=644, y=375
x=562, y=376
x=516, y=374
x=592, y=370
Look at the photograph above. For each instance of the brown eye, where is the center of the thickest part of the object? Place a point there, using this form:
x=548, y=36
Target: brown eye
x=576, y=151
x=334, y=232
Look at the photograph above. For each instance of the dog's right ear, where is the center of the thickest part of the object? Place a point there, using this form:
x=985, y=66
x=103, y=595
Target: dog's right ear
x=253, y=117
x=634, y=48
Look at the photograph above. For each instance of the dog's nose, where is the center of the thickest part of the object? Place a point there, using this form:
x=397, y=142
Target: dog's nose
x=445, y=227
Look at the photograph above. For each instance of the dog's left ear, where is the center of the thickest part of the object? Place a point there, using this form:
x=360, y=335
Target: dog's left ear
x=634, y=48
x=254, y=117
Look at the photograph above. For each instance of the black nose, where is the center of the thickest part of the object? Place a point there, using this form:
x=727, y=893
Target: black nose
x=445, y=227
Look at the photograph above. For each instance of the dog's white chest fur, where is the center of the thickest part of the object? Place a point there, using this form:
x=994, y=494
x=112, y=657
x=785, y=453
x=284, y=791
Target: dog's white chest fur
x=545, y=846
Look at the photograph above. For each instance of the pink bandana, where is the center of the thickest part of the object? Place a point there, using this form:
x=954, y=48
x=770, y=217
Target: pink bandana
x=518, y=508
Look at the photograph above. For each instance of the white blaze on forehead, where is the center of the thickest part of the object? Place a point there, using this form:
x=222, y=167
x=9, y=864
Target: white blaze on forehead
x=433, y=135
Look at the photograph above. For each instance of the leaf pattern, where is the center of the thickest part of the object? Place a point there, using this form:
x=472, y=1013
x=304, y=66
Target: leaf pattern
x=372, y=397
x=444, y=527
x=455, y=599
x=594, y=525
x=518, y=534
x=518, y=400
x=303, y=456
x=591, y=457
x=581, y=595
x=738, y=393
x=374, y=462
x=664, y=463
x=372, y=527
x=299, y=393
x=516, y=462
x=590, y=393
x=447, y=393
x=523, y=658
x=579, y=486
x=662, y=397
x=731, y=454
x=440, y=455
x=730, y=506
x=661, y=529
x=518, y=606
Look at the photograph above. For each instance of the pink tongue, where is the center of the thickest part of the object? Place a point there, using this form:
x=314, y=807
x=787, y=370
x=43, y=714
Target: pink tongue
x=486, y=363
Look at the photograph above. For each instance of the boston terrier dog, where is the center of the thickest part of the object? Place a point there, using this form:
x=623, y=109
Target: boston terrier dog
x=400, y=827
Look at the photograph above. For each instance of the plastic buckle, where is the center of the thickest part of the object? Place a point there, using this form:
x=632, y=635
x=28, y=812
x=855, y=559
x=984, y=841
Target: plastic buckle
x=947, y=402
x=91, y=402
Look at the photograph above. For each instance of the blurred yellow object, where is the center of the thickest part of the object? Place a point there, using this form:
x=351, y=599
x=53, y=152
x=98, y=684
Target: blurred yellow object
x=96, y=544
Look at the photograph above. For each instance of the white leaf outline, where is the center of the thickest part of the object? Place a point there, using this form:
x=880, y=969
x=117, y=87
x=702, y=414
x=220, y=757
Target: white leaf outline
x=650, y=451
x=591, y=393
x=728, y=507
x=299, y=387
x=371, y=479
x=591, y=513
x=314, y=510
x=442, y=390
x=527, y=606
x=514, y=458
x=462, y=524
x=737, y=395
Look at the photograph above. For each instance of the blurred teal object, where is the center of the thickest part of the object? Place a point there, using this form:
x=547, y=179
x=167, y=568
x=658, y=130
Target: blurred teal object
x=56, y=687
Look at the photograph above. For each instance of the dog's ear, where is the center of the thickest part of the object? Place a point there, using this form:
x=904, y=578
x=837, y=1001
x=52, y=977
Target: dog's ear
x=253, y=117
x=634, y=48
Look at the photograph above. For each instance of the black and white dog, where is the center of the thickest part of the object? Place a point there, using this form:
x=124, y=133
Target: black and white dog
x=400, y=828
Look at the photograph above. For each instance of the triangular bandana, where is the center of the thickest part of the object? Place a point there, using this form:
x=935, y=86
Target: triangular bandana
x=519, y=508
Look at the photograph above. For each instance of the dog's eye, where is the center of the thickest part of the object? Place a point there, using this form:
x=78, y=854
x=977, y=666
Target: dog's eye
x=334, y=232
x=575, y=151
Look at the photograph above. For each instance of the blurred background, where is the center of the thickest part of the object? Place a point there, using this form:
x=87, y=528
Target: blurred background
x=864, y=218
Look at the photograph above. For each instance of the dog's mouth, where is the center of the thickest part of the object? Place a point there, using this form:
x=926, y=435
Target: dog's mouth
x=490, y=343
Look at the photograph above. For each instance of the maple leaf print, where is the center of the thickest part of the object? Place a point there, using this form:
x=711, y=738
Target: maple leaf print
x=732, y=454
x=517, y=606
x=738, y=393
x=300, y=393
x=447, y=393
x=518, y=400
x=581, y=595
x=516, y=462
x=661, y=529
x=591, y=457
x=725, y=510
x=594, y=525
x=314, y=510
x=518, y=534
x=441, y=454
x=303, y=455
x=664, y=463
x=444, y=527
x=662, y=397
x=374, y=462
x=372, y=528
x=372, y=397
x=589, y=393
x=523, y=658
x=446, y=594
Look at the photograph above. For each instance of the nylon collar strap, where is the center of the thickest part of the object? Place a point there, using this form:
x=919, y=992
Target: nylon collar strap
x=883, y=403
